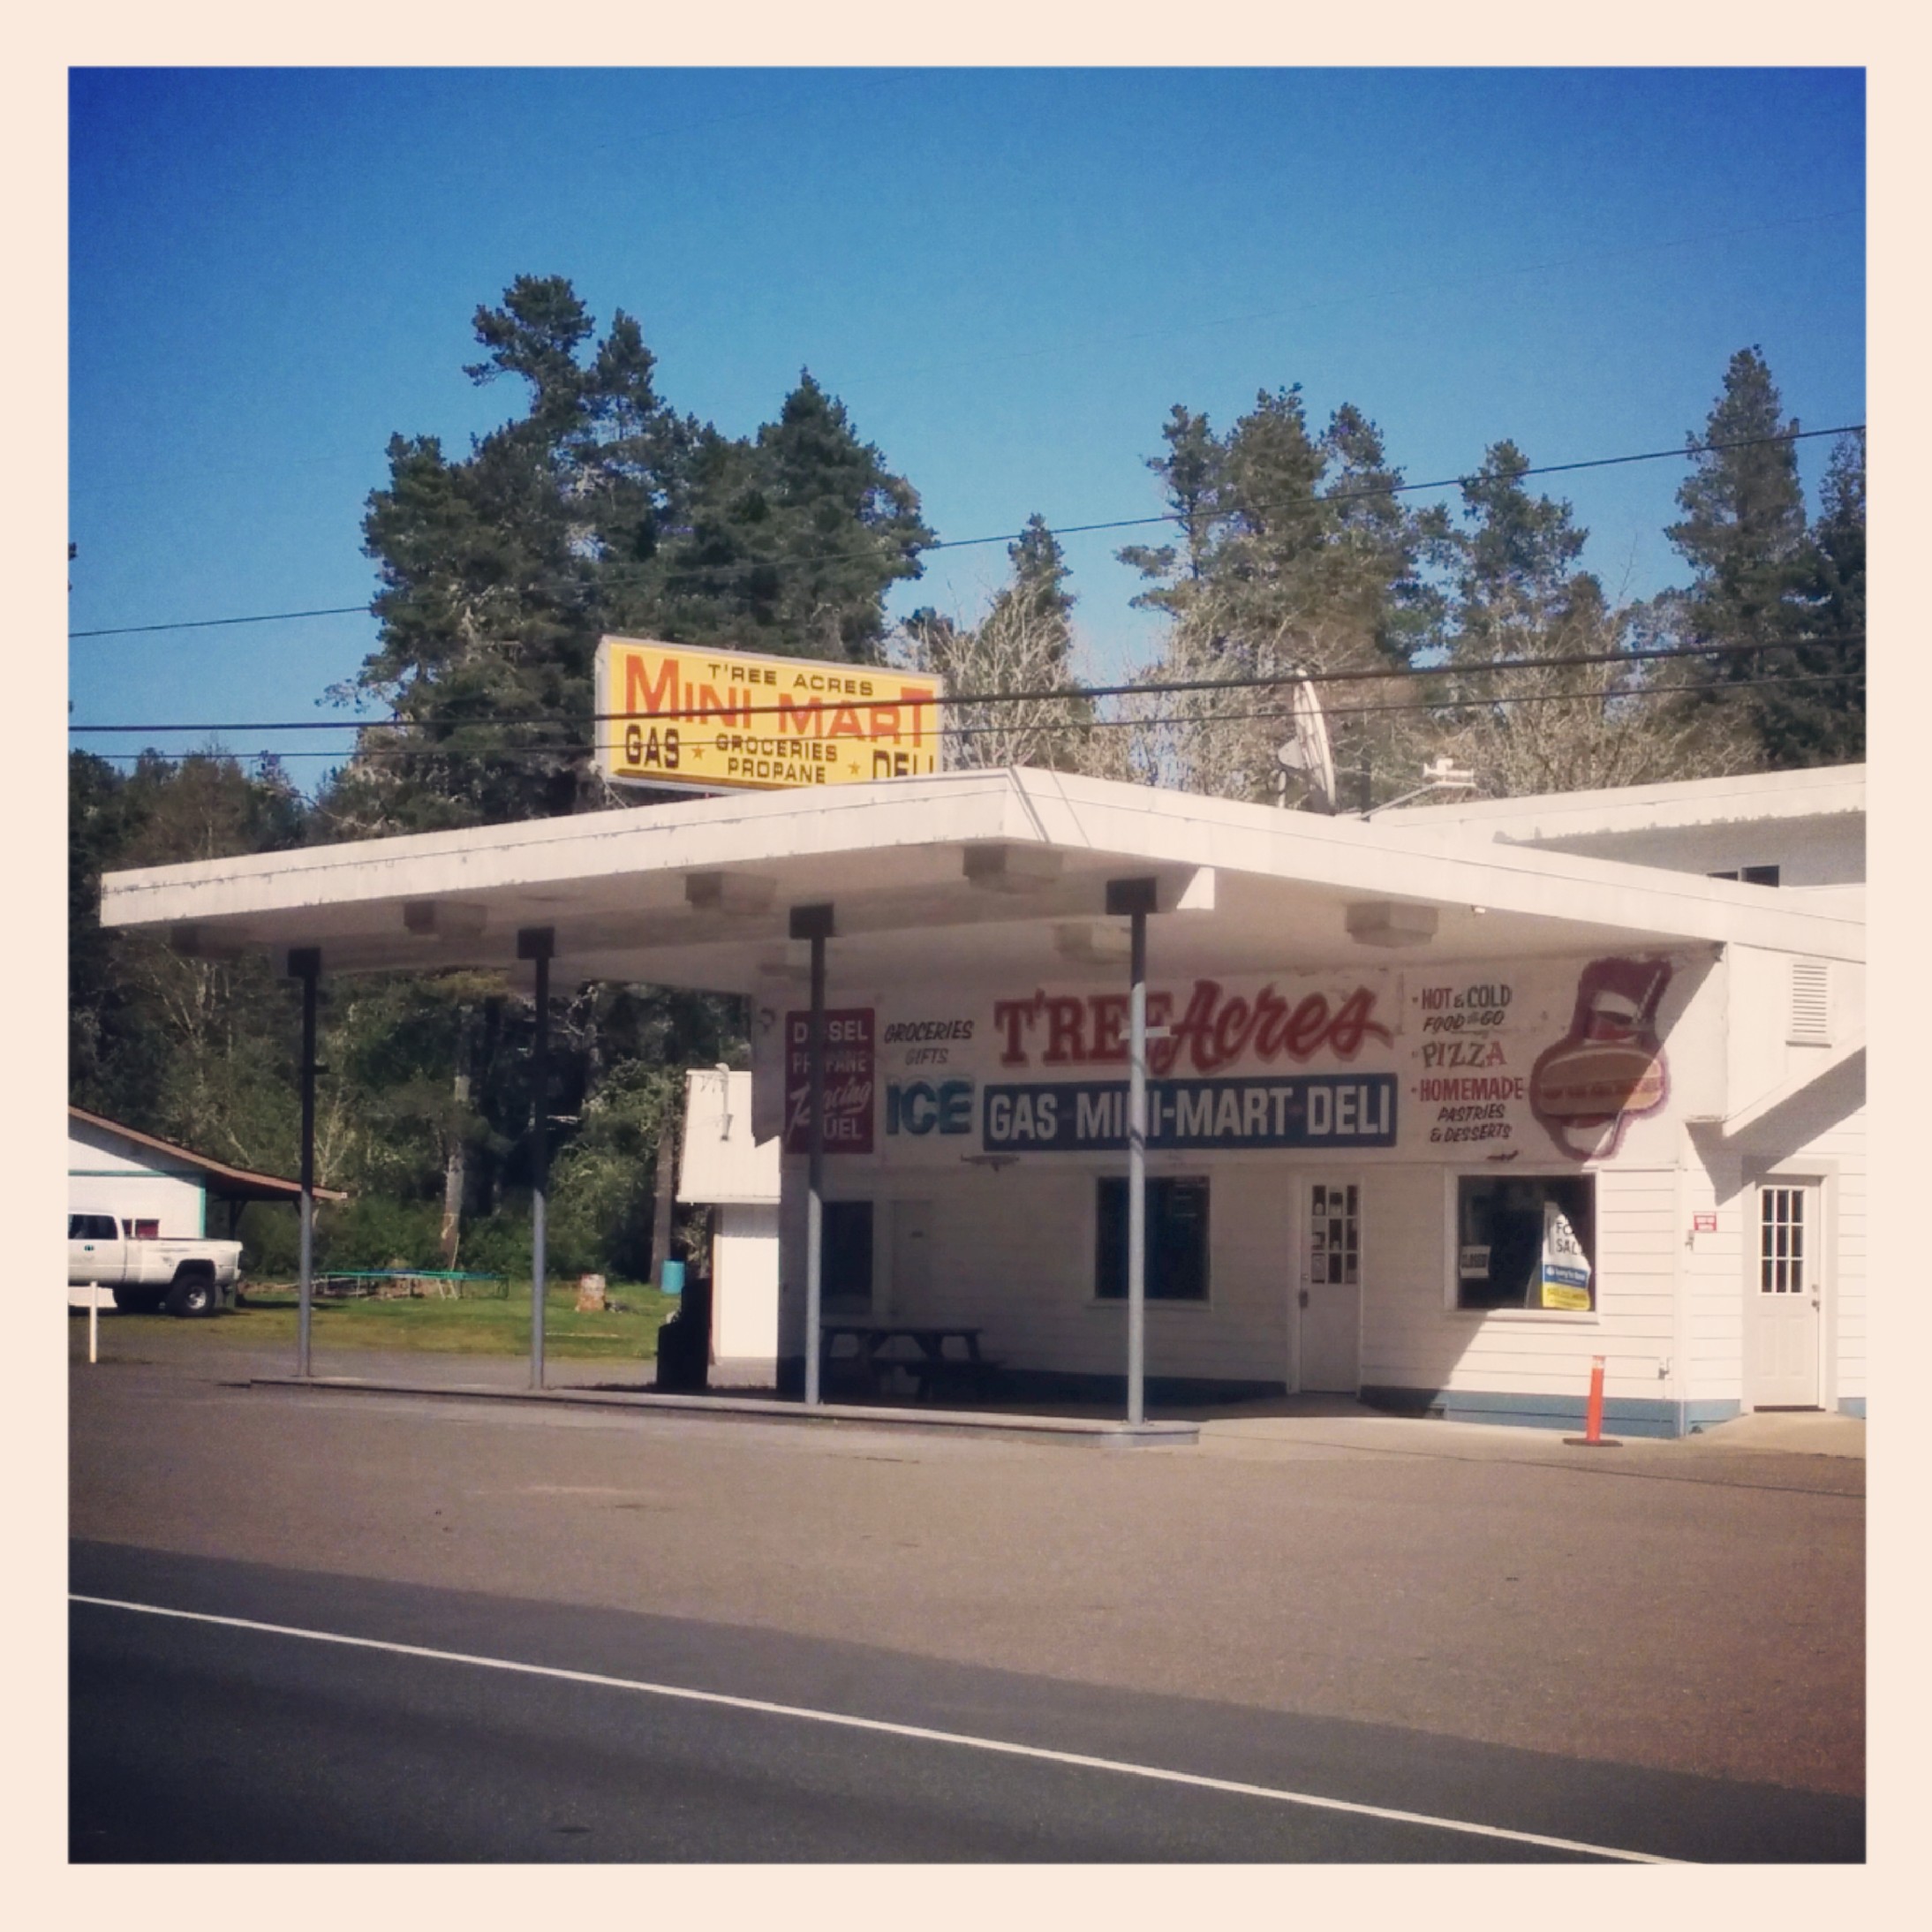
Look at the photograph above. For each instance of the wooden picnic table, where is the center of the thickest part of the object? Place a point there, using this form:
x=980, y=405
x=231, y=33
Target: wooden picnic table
x=932, y=1367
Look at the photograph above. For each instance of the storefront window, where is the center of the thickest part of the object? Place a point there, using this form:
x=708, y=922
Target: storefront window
x=1177, y=1239
x=1526, y=1240
x=845, y=1252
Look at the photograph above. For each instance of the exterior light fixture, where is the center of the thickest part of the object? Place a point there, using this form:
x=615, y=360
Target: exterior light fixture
x=1382, y=922
x=442, y=919
x=1092, y=943
x=729, y=892
x=1012, y=868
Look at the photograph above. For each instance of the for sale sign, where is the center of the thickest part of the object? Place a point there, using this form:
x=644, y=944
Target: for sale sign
x=674, y=715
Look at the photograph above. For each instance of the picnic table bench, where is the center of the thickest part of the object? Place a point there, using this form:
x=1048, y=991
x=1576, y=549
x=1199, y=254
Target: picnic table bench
x=876, y=1350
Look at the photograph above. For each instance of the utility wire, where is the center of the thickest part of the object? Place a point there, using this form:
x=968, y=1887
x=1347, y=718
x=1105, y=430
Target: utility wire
x=702, y=573
x=691, y=714
x=575, y=747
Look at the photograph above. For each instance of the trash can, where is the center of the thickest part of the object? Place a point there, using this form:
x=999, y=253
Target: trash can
x=673, y=1278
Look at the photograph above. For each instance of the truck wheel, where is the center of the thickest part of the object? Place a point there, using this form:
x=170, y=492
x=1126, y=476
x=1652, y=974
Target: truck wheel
x=137, y=1300
x=193, y=1292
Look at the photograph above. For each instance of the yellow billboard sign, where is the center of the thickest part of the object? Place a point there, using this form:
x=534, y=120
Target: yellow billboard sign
x=677, y=714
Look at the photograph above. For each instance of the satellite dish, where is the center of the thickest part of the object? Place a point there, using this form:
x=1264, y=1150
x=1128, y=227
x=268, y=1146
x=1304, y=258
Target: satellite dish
x=1308, y=752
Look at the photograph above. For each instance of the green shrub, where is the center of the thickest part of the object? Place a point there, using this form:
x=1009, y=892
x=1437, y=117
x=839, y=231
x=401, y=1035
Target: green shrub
x=373, y=1230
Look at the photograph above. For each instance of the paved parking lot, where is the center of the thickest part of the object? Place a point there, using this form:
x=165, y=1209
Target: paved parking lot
x=1694, y=1607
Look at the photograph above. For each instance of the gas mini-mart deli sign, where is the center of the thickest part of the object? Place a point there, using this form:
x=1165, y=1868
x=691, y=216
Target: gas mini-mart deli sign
x=674, y=717
x=1441, y=1066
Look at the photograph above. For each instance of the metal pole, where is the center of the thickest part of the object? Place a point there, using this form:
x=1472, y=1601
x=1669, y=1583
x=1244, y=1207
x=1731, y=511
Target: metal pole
x=537, y=943
x=1137, y=898
x=1136, y=1176
x=305, y=963
x=814, y=923
x=815, y=1175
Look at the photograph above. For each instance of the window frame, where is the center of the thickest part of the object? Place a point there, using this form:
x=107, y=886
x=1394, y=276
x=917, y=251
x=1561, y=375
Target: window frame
x=1159, y=1187
x=848, y=1301
x=1591, y=1237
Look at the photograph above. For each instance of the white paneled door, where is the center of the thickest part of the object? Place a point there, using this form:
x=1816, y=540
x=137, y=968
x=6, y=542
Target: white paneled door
x=1328, y=1297
x=1785, y=1297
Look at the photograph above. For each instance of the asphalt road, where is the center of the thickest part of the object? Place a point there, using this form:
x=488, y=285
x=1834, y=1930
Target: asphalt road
x=1322, y=1624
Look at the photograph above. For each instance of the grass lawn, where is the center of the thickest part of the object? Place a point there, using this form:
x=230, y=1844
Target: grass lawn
x=494, y=1327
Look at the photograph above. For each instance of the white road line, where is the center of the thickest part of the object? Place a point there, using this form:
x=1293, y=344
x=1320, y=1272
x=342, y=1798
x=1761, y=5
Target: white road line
x=1001, y=1746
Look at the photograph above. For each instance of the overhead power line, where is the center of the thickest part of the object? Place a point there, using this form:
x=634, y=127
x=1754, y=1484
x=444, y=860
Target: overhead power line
x=693, y=714
x=744, y=566
x=462, y=754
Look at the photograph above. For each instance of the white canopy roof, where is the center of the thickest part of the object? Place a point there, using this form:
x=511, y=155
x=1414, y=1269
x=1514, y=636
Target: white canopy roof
x=696, y=893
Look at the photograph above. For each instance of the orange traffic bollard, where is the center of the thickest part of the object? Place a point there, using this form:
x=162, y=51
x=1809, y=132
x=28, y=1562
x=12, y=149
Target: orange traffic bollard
x=1593, y=1435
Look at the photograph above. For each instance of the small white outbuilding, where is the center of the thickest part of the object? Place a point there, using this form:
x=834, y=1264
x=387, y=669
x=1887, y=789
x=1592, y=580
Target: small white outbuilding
x=722, y=1166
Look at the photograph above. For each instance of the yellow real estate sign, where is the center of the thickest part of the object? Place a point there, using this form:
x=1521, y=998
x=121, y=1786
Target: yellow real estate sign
x=673, y=714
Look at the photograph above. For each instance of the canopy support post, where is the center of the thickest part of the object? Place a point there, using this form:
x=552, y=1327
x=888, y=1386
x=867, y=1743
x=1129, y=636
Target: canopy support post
x=306, y=964
x=814, y=923
x=1136, y=898
x=538, y=944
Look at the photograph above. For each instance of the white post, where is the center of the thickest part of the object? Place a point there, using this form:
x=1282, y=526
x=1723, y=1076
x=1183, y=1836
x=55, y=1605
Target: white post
x=1137, y=898
x=93, y=1321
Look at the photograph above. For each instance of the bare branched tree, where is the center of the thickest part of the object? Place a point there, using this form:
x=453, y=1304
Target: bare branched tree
x=1012, y=649
x=1225, y=742
x=1585, y=727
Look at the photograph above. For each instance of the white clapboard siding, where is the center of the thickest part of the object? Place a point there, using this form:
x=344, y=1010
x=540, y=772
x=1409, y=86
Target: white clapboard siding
x=1412, y=1339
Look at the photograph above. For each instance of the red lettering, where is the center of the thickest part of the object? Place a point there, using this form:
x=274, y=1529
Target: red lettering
x=1345, y=1035
x=1013, y=1014
x=642, y=695
x=1231, y=1030
x=1109, y=1010
x=1065, y=1040
x=1213, y=1032
x=844, y=724
x=1270, y=1016
x=884, y=721
x=1305, y=1027
x=802, y=720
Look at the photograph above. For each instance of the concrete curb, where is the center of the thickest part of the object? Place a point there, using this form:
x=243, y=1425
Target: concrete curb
x=1072, y=1428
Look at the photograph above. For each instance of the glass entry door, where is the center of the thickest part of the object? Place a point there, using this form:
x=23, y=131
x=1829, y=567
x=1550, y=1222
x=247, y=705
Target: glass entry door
x=1785, y=1297
x=1328, y=1297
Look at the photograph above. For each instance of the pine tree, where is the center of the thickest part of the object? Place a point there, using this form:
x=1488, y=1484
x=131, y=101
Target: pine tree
x=1743, y=529
x=598, y=509
x=1763, y=578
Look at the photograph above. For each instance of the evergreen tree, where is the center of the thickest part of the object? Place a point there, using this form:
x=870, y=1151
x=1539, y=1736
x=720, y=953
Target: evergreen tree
x=598, y=509
x=1298, y=552
x=1763, y=578
x=1743, y=529
x=1517, y=588
x=1818, y=716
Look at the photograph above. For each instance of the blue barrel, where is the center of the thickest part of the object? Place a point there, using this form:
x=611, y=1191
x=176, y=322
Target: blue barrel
x=673, y=1278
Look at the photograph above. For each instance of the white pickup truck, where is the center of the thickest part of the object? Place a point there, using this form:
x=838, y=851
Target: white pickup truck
x=185, y=1277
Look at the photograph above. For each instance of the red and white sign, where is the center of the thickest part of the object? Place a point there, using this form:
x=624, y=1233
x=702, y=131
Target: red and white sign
x=850, y=1080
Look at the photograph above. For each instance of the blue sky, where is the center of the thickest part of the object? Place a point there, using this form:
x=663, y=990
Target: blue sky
x=1008, y=276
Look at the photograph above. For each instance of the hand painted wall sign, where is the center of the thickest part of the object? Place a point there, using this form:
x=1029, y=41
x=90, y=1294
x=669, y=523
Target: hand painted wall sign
x=679, y=717
x=1315, y=1109
x=849, y=1080
x=918, y=1107
x=1609, y=1068
x=1214, y=1031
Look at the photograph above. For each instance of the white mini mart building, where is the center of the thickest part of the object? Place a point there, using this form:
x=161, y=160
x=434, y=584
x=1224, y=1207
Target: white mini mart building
x=1411, y=1066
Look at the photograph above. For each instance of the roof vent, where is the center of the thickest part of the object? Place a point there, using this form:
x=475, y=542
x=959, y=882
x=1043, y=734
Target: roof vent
x=1810, y=1003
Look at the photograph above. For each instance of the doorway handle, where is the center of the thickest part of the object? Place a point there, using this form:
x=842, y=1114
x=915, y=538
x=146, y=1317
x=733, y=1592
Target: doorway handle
x=1304, y=1297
